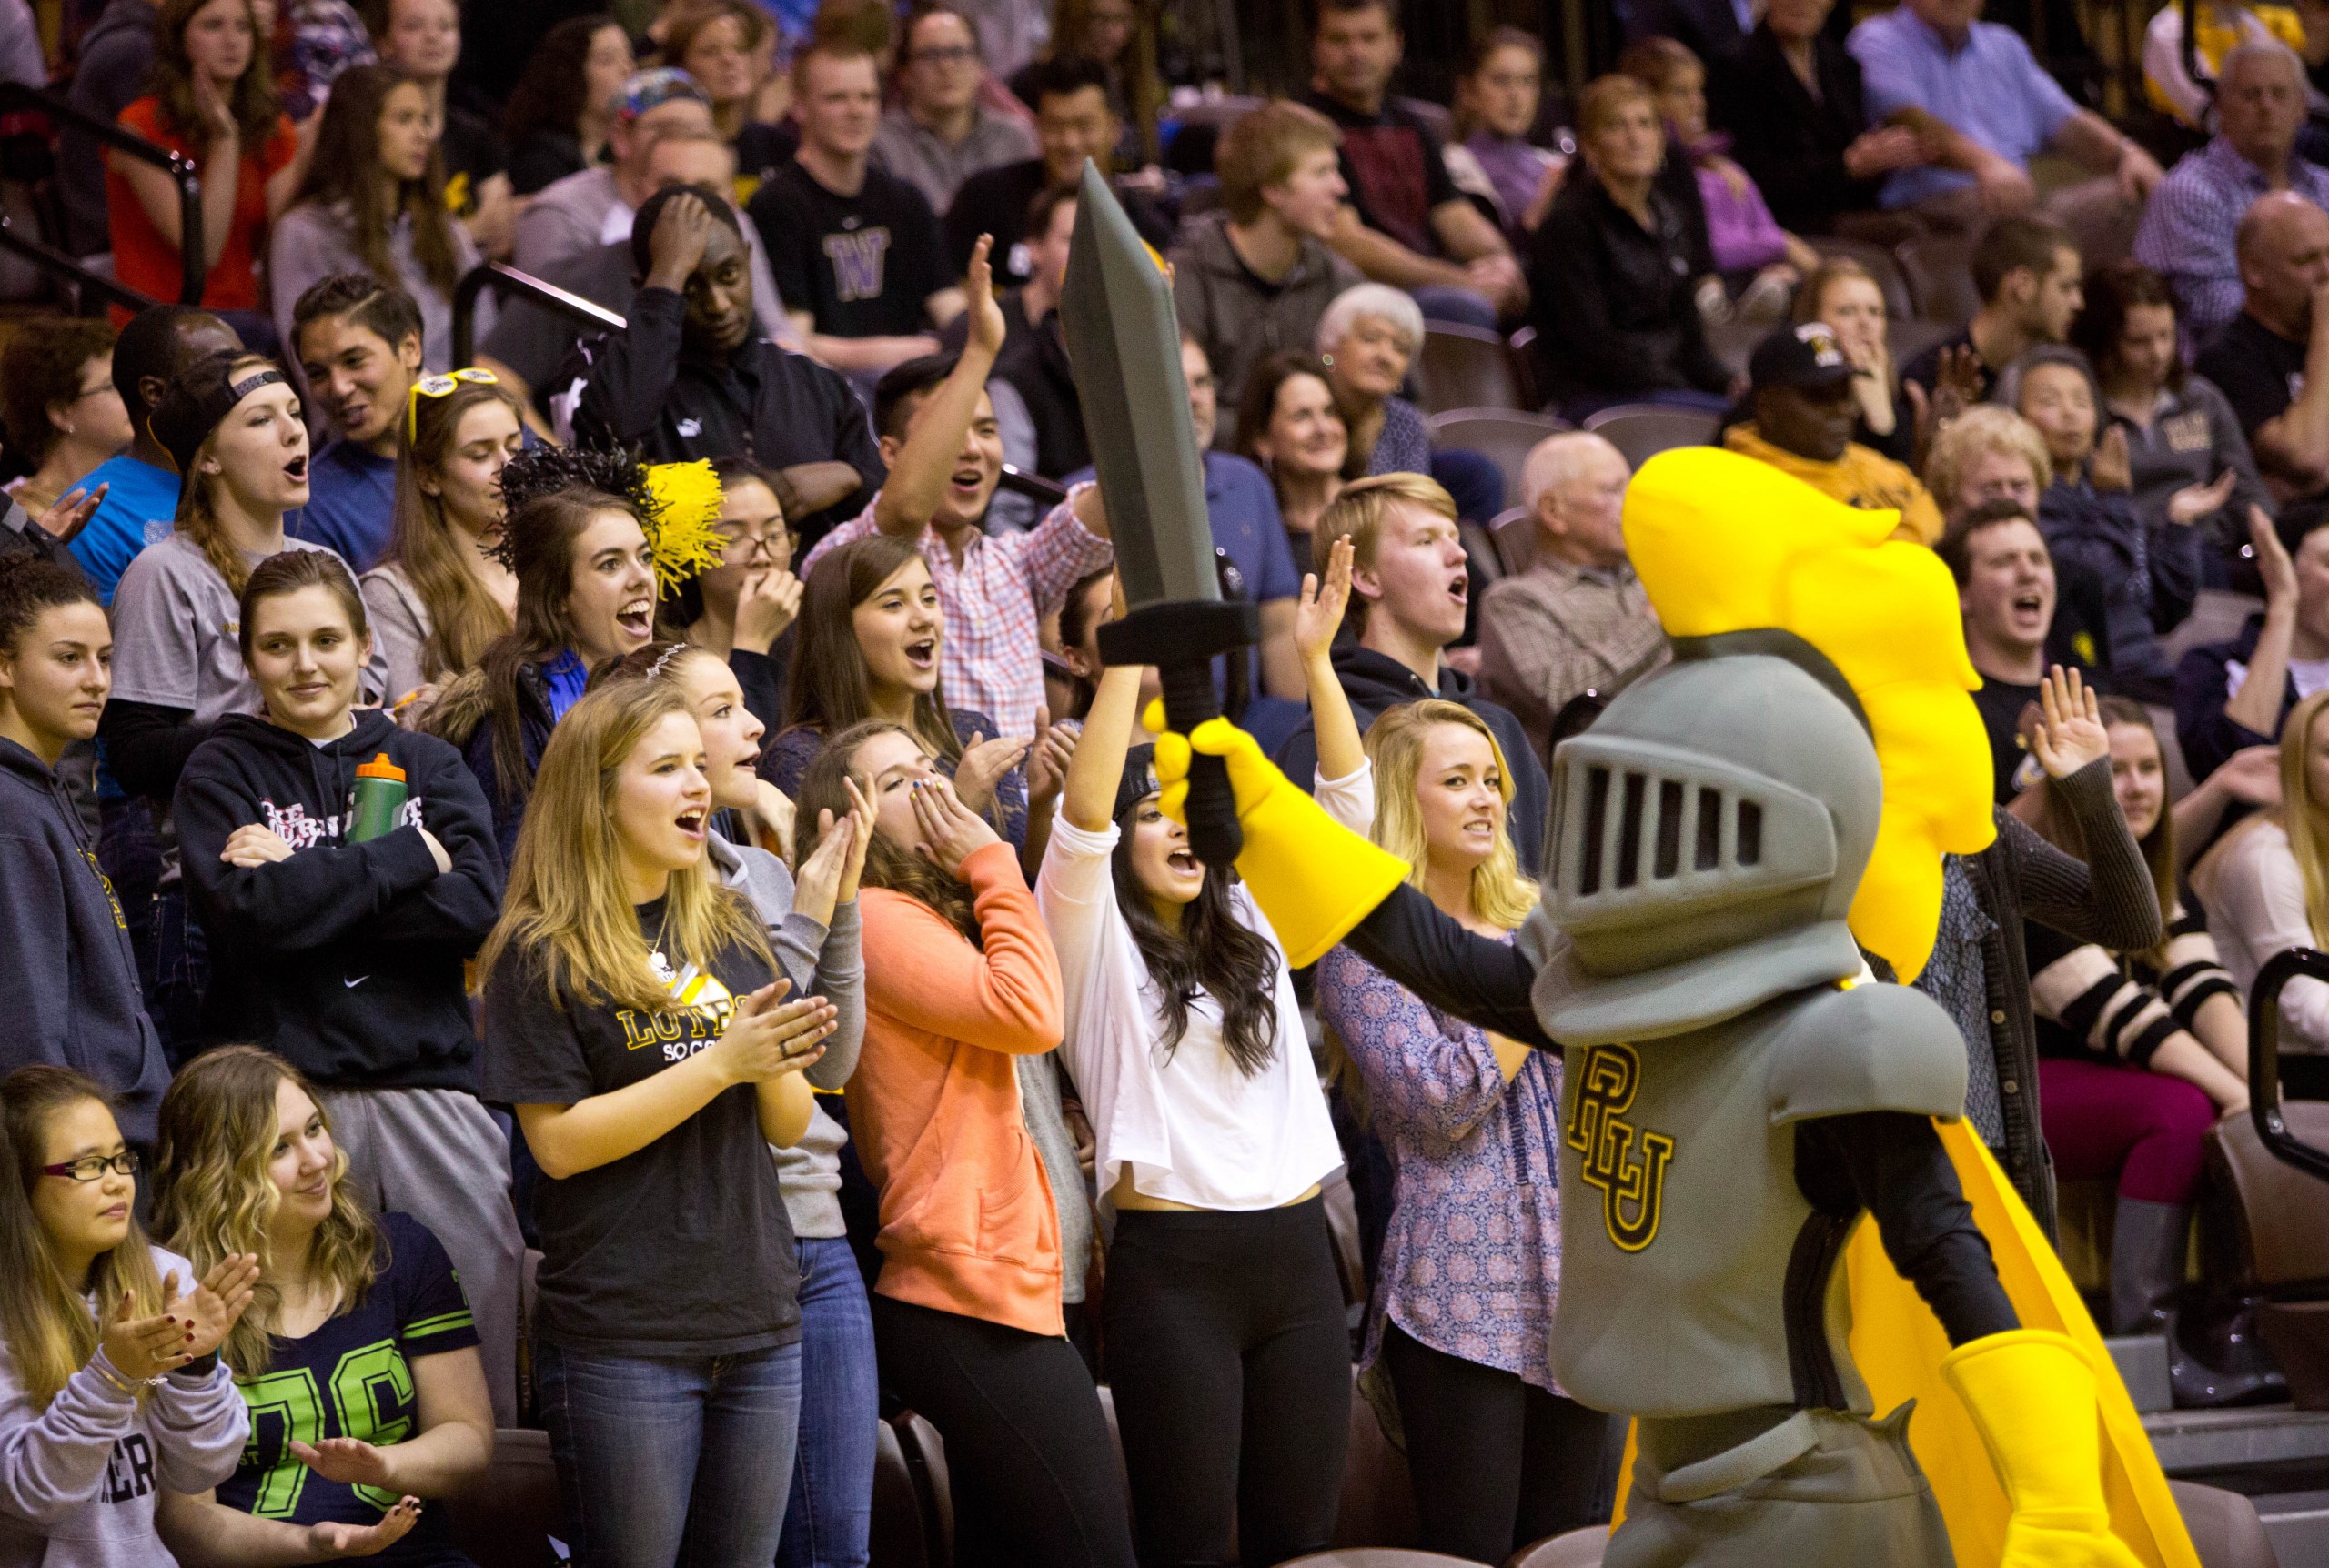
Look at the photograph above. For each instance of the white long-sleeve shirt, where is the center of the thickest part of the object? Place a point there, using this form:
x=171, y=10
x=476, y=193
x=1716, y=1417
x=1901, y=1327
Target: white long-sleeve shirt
x=2254, y=896
x=1193, y=1127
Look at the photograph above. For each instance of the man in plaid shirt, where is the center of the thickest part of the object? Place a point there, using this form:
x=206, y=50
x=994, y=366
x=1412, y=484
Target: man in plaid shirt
x=939, y=438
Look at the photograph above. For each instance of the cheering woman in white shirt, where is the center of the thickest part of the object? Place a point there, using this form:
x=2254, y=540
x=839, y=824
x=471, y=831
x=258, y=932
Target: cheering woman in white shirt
x=1185, y=1041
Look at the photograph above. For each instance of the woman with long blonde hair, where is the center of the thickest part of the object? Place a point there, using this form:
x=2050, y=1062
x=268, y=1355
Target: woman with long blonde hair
x=442, y=595
x=1463, y=1302
x=110, y=1386
x=358, y=1358
x=2266, y=882
x=632, y=1021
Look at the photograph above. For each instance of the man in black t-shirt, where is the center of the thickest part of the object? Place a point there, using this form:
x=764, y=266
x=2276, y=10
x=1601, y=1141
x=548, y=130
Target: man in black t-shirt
x=857, y=253
x=1073, y=122
x=2272, y=362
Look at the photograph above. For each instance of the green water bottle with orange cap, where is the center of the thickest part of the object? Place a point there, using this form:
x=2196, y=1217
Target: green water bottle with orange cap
x=379, y=797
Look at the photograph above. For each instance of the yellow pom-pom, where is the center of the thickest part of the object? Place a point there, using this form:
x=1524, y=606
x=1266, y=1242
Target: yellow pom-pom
x=684, y=531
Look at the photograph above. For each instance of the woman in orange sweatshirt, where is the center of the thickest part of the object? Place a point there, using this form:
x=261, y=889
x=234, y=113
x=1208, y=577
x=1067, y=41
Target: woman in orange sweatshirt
x=961, y=981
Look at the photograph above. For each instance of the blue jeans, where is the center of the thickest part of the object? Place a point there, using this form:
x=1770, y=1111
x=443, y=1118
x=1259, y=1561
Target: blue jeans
x=831, y=1513
x=638, y=1441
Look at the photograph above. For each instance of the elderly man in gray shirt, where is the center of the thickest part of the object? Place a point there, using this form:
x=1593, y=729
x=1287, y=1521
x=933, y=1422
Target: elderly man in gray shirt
x=1578, y=619
x=940, y=133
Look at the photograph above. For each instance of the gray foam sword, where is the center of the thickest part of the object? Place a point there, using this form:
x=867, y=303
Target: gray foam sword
x=1123, y=340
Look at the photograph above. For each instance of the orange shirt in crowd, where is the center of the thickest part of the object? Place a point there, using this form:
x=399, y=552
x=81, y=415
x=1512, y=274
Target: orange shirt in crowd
x=968, y=1224
x=144, y=260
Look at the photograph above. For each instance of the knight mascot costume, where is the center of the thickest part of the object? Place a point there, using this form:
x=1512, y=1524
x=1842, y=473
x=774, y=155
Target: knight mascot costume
x=1840, y=1336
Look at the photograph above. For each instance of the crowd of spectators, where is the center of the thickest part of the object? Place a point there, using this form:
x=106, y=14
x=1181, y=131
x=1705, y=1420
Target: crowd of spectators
x=385, y=770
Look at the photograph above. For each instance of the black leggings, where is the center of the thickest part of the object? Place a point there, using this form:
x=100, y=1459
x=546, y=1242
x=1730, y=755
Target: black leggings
x=1230, y=1361
x=1033, y=1476
x=1495, y=1463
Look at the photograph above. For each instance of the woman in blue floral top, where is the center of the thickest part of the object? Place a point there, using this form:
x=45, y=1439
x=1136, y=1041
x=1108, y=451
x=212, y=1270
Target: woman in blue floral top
x=1463, y=1303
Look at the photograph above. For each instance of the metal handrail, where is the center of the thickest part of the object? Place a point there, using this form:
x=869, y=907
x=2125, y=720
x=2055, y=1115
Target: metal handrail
x=503, y=279
x=2265, y=1058
x=193, y=263
x=55, y=263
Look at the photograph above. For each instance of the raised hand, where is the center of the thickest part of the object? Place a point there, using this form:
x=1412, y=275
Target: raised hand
x=766, y=603
x=1318, y=613
x=65, y=520
x=861, y=811
x=1047, y=760
x=983, y=764
x=2272, y=563
x=2252, y=776
x=2070, y=732
x=767, y=1039
x=254, y=845
x=215, y=1303
x=676, y=248
x=985, y=318
x=2195, y=502
x=820, y=873
x=347, y=1459
x=332, y=1540
x=2113, y=468
x=951, y=830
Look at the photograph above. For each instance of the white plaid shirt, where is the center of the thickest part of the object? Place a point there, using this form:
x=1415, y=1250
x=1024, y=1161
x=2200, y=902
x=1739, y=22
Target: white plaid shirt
x=995, y=598
x=2187, y=230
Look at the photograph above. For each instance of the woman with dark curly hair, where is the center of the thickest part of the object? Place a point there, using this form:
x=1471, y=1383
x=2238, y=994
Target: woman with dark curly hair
x=374, y=202
x=558, y=116
x=212, y=103
x=63, y=413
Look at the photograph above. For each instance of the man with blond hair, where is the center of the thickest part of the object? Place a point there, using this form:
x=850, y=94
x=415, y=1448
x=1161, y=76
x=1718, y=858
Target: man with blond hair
x=1408, y=586
x=1255, y=277
x=1578, y=619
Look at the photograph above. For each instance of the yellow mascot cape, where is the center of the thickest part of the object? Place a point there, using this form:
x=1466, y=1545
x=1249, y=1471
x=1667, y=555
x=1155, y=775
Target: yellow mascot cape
x=1724, y=543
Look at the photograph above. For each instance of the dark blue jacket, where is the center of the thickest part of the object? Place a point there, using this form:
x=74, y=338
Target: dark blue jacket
x=68, y=981
x=2150, y=577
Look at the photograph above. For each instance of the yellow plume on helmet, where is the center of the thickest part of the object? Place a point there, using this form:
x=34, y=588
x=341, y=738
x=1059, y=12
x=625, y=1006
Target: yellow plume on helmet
x=1724, y=543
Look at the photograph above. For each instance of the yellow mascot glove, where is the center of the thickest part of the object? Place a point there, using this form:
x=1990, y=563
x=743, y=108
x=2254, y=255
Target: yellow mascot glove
x=2030, y=1393
x=1314, y=878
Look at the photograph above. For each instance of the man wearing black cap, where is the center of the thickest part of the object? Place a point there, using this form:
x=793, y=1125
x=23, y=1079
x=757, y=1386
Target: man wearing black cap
x=1804, y=410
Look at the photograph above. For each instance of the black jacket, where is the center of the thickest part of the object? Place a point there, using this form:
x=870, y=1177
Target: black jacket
x=641, y=389
x=1612, y=302
x=1377, y=683
x=345, y=957
x=68, y=981
x=1792, y=143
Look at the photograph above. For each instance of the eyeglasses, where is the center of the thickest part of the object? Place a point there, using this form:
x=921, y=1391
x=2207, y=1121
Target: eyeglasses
x=93, y=1167
x=440, y=387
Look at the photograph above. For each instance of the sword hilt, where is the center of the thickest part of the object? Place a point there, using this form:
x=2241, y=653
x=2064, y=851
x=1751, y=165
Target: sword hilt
x=1182, y=640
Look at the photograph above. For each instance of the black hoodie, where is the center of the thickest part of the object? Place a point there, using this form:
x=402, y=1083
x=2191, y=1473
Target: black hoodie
x=1375, y=683
x=68, y=984
x=345, y=957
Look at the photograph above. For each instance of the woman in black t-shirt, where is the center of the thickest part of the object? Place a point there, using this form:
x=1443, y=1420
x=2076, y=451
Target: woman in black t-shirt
x=358, y=1360
x=632, y=1021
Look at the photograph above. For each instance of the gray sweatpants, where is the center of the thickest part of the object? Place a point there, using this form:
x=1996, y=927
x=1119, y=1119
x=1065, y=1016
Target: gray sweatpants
x=1821, y=1489
x=436, y=1155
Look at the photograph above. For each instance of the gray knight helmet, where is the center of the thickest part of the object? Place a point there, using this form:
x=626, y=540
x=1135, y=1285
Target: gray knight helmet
x=1728, y=801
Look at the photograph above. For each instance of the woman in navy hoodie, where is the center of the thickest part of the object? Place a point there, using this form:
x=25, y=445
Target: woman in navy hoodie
x=345, y=958
x=68, y=980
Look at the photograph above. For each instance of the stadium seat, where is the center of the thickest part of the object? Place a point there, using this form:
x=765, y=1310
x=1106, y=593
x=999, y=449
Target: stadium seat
x=2225, y=1531
x=1642, y=430
x=1376, y=1557
x=924, y=1453
x=1503, y=435
x=1513, y=534
x=1570, y=1549
x=1465, y=367
x=505, y=1521
x=1939, y=271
